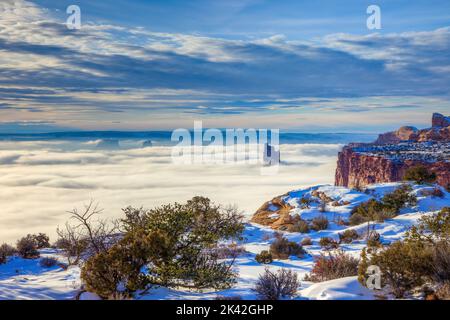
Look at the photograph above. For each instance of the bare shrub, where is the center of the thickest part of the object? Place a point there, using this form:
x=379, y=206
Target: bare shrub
x=333, y=266
x=328, y=243
x=348, y=236
x=306, y=242
x=86, y=236
x=6, y=251
x=300, y=225
x=277, y=285
x=230, y=251
x=323, y=206
x=42, y=240
x=48, y=262
x=27, y=248
x=441, y=262
x=282, y=248
x=319, y=223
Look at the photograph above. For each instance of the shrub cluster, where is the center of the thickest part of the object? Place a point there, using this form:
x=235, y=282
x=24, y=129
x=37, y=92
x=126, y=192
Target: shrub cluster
x=282, y=248
x=388, y=207
x=6, y=251
x=319, y=223
x=333, y=266
x=264, y=257
x=27, y=247
x=348, y=236
x=277, y=285
x=424, y=256
x=420, y=175
x=328, y=243
x=299, y=225
x=48, y=262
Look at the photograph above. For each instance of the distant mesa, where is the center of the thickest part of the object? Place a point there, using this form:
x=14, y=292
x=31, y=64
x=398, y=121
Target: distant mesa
x=271, y=156
x=440, y=121
x=439, y=131
x=147, y=143
x=108, y=144
x=388, y=158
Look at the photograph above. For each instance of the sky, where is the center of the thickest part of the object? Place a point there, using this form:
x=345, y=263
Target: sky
x=310, y=66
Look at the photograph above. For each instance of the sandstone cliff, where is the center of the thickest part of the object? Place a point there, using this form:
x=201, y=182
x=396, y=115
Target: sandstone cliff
x=393, y=153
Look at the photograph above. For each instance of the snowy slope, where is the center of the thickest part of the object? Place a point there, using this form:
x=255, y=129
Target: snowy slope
x=25, y=279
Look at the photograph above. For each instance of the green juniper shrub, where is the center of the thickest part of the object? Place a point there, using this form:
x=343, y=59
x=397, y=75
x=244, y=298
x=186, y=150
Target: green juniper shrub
x=277, y=285
x=264, y=257
x=319, y=223
x=348, y=236
x=363, y=267
x=399, y=198
x=386, y=208
x=432, y=228
x=171, y=245
x=328, y=243
x=282, y=248
x=27, y=247
x=423, y=257
x=333, y=266
x=6, y=251
x=119, y=270
x=404, y=266
x=307, y=241
x=420, y=175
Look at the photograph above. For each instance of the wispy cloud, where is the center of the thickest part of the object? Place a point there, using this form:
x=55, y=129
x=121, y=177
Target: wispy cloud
x=76, y=76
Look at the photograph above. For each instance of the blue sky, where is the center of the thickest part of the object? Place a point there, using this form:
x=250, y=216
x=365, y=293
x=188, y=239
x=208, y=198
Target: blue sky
x=294, y=65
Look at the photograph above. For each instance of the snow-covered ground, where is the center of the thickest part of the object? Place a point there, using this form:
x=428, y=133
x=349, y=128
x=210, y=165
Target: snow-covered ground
x=26, y=279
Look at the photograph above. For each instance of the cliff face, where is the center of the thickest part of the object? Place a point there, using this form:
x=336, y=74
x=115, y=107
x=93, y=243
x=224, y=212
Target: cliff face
x=388, y=158
x=357, y=170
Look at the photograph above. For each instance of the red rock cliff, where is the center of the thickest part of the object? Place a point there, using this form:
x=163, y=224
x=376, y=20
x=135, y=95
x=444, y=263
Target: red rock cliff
x=357, y=170
x=383, y=162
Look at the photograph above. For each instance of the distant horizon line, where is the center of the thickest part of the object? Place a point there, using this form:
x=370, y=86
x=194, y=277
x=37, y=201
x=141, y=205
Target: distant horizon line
x=169, y=131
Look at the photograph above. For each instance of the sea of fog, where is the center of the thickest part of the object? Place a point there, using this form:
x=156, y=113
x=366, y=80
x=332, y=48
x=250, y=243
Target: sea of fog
x=44, y=176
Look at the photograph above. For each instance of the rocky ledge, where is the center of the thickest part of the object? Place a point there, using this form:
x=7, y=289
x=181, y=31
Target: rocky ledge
x=388, y=158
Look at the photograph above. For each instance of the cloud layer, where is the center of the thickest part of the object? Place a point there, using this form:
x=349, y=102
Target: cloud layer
x=42, y=180
x=107, y=73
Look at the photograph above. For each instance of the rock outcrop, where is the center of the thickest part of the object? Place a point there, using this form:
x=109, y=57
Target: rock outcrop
x=440, y=121
x=439, y=131
x=388, y=158
x=274, y=213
